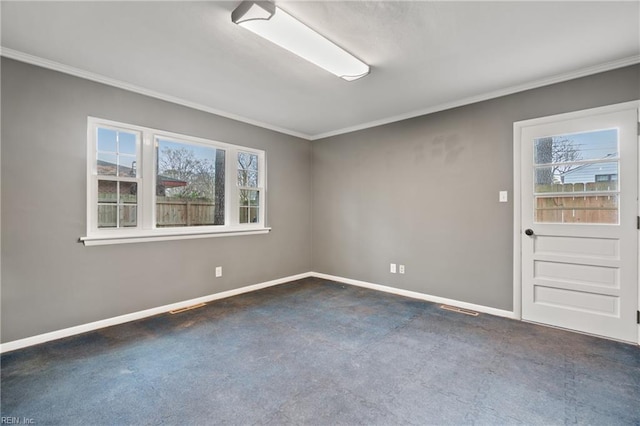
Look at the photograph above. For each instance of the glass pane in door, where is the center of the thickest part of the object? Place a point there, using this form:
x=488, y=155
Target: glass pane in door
x=576, y=178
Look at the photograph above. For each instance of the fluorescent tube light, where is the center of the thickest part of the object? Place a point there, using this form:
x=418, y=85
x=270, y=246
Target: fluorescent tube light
x=274, y=24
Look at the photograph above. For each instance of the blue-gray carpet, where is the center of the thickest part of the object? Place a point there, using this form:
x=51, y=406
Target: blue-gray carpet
x=322, y=353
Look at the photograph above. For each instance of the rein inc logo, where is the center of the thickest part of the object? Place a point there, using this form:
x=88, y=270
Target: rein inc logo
x=6, y=420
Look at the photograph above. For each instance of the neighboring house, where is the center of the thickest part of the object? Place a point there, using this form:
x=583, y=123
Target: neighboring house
x=598, y=172
x=110, y=169
x=164, y=182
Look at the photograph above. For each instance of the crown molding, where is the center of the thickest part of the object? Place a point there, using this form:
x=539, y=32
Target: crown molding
x=87, y=75
x=559, y=78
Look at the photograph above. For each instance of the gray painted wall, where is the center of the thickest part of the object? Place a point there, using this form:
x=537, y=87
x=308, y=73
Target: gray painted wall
x=421, y=192
x=424, y=193
x=50, y=281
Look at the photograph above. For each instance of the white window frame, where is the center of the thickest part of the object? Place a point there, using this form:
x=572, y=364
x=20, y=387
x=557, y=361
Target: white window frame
x=259, y=188
x=146, y=229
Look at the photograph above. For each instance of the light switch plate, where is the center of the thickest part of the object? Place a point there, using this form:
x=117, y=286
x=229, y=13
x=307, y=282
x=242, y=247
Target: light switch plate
x=504, y=197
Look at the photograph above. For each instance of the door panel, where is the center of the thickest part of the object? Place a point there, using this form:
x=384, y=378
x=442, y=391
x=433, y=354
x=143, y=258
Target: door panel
x=592, y=303
x=579, y=194
x=590, y=275
x=577, y=246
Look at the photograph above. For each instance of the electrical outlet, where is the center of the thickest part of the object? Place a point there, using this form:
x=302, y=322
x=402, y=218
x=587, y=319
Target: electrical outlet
x=218, y=271
x=392, y=269
x=401, y=269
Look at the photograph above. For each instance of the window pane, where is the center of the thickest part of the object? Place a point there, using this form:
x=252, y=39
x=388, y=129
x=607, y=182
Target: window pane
x=593, y=175
x=247, y=178
x=128, y=216
x=249, y=197
x=253, y=214
x=590, y=209
x=249, y=206
x=243, y=178
x=107, y=191
x=127, y=166
x=189, y=184
x=252, y=179
x=126, y=143
x=567, y=167
x=254, y=198
x=116, y=153
x=107, y=164
x=249, y=214
x=247, y=170
x=107, y=140
x=107, y=216
x=247, y=161
x=581, y=177
x=128, y=192
x=568, y=148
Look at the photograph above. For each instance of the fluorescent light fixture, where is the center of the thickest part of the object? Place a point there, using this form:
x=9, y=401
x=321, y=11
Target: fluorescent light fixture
x=274, y=24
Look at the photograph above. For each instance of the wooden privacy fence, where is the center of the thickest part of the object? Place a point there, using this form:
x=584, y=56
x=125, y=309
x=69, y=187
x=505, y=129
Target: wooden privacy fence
x=184, y=213
x=168, y=214
x=578, y=208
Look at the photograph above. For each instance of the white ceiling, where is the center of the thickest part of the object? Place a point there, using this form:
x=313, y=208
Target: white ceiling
x=424, y=56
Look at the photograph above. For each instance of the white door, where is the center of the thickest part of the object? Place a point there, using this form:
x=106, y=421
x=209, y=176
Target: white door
x=579, y=220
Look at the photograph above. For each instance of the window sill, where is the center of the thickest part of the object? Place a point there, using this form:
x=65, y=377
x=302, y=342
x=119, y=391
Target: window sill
x=155, y=235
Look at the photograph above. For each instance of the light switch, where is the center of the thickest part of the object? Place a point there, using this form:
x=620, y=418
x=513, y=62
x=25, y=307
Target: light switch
x=504, y=196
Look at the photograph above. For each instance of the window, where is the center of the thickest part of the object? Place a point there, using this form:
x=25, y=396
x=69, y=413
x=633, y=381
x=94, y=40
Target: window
x=248, y=186
x=117, y=177
x=576, y=178
x=147, y=184
x=189, y=184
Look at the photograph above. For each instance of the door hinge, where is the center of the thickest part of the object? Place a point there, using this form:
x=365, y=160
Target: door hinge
x=638, y=224
x=638, y=317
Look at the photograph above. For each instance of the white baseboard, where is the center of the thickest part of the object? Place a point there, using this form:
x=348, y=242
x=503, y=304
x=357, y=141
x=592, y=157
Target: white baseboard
x=420, y=296
x=71, y=331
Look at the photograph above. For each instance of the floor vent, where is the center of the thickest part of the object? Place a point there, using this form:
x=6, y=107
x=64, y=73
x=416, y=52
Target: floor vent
x=459, y=310
x=188, y=308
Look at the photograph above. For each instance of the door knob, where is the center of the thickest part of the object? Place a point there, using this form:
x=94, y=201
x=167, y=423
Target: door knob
x=529, y=232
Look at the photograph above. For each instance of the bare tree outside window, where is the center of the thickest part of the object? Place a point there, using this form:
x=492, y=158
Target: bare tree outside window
x=248, y=184
x=558, y=153
x=182, y=165
x=219, y=188
x=192, y=175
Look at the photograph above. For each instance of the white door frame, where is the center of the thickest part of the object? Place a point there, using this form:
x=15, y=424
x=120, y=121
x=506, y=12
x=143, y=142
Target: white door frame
x=517, y=196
